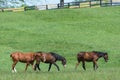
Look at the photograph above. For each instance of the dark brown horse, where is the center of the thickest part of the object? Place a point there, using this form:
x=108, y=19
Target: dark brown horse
x=27, y=58
x=51, y=58
x=91, y=57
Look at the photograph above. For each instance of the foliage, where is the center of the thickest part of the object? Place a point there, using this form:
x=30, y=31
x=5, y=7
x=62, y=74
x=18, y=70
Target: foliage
x=11, y=3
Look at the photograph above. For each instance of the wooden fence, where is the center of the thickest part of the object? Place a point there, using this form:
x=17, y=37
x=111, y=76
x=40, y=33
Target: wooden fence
x=12, y=9
x=81, y=4
x=110, y=4
x=29, y=8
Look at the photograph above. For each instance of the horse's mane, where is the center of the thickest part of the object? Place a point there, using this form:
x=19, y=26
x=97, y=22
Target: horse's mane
x=57, y=56
x=101, y=54
x=39, y=52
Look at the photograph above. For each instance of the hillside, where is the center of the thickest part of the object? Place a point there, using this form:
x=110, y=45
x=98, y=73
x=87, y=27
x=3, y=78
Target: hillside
x=66, y=32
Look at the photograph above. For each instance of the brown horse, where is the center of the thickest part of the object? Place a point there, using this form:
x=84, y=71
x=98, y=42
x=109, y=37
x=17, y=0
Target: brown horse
x=51, y=58
x=27, y=58
x=90, y=57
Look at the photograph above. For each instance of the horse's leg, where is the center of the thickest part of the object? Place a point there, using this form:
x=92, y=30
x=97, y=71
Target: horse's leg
x=56, y=66
x=49, y=66
x=83, y=65
x=77, y=64
x=95, y=65
x=32, y=65
x=13, y=66
x=27, y=64
x=37, y=65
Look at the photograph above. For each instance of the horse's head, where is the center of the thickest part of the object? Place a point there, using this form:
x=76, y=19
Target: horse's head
x=64, y=62
x=38, y=54
x=102, y=54
x=105, y=57
x=38, y=57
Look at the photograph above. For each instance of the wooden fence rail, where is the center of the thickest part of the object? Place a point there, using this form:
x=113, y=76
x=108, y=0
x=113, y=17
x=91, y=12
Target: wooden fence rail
x=81, y=4
x=29, y=8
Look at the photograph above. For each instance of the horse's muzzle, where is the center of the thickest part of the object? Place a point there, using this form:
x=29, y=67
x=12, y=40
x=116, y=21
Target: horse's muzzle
x=106, y=60
x=64, y=66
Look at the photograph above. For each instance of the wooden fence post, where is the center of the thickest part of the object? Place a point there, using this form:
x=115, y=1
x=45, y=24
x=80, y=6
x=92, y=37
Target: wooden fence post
x=24, y=8
x=68, y=5
x=90, y=4
x=58, y=6
x=79, y=4
x=2, y=10
x=46, y=7
x=100, y=3
x=111, y=2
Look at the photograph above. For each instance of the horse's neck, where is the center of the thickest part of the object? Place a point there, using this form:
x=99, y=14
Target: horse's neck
x=57, y=57
x=100, y=54
x=60, y=58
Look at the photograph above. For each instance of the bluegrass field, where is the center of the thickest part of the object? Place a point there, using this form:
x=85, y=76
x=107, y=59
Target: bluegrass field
x=66, y=32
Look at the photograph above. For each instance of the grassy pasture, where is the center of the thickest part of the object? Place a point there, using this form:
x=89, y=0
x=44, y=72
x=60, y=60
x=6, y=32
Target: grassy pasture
x=64, y=31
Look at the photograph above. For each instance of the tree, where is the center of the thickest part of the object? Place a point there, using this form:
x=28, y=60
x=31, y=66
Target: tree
x=3, y=3
x=11, y=3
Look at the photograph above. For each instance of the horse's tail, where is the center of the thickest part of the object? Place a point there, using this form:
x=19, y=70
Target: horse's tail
x=10, y=55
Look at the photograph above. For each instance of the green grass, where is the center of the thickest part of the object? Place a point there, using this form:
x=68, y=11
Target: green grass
x=64, y=31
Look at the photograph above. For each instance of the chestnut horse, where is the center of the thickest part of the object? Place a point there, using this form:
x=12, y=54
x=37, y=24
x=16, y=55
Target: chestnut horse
x=90, y=57
x=27, y=58
x=51, y=58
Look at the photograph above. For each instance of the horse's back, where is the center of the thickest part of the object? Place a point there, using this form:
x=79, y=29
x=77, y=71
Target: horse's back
x=80, y=54
x=22, y=54
x=15, y=54
x=23, y=57
x=86, y=56
x=47, y=58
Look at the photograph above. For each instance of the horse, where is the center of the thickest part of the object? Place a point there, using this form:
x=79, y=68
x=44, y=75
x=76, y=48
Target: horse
x=28, y=58
x=91, y=57
x=50, y=58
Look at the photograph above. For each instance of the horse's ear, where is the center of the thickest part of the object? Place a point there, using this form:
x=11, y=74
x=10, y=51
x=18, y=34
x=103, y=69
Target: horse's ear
x=106, y=53
x=35, y=54
x=38, y=54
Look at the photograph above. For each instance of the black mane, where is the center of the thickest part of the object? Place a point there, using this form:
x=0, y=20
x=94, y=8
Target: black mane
x=57, y=56
x=101, y=54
